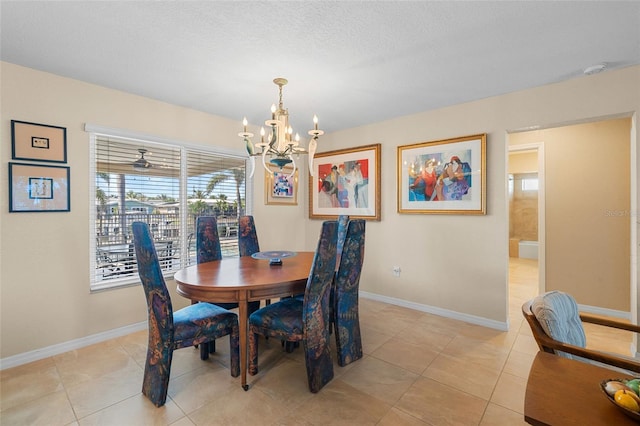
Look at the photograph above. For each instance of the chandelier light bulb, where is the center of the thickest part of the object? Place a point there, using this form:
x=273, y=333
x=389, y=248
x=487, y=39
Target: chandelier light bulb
x=244, y=123
x=273, y=111
x=315, y=122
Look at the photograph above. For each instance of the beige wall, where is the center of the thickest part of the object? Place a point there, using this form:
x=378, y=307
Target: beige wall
x=587, y=191
x=459, y=263
x=523, y=162
x=451, y=263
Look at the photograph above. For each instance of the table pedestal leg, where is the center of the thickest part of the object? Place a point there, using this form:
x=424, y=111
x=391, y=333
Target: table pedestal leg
x=243, y=321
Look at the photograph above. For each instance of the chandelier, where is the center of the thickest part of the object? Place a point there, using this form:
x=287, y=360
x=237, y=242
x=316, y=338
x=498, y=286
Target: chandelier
x=280, y=146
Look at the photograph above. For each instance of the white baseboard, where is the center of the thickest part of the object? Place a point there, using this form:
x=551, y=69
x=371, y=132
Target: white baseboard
x=498, y=325
x=606, y=312
x=38, y=354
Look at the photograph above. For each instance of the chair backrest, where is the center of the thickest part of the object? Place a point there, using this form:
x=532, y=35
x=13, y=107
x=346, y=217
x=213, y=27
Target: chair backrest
x=350, y=267
x=159, y=305
x=558, y=316
x=207, y=239
x=247, y=236
x=316, y=295
x=343, y=222
x=345, y=304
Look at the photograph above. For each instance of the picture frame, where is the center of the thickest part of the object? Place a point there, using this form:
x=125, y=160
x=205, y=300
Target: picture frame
x=280, y=187
x=38, y=188
x=346, y=182
x=443, y=177
x=38, y=142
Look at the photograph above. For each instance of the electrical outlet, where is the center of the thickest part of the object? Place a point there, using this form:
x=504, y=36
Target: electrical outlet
x=396, y=271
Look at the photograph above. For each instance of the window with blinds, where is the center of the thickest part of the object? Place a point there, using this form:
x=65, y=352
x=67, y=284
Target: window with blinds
x=168, y=187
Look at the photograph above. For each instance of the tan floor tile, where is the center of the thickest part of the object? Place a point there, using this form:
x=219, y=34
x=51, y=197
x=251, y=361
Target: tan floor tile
x=379, y=379
x=25, y=369
x=441, y=325
x=390, y=319
x=465, y=376
x=438, y=404
x=340, y=404
x=519, y=364
x=503, y=339
x=93, y=395
x=136, y=345
x=410, y=356
x=237, y=407
x=286, y=382
x=184, y=421
x=476, y=352
x=496, y=415
x=197, y=388
x=396, y=417
x=526, y=344
x=425, y=334
x=50, y=410
x=137, y=410
x=509, y=392
x=29, y=382
x=92, y=362
x=372, y=339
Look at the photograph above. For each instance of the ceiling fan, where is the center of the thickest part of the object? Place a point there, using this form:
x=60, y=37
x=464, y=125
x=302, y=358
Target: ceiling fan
x=142, y=163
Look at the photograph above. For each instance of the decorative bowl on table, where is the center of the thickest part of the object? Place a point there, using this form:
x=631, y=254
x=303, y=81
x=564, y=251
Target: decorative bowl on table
x=274, y=257
x=613, y=388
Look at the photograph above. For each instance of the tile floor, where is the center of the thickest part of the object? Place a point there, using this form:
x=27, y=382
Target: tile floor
x=418, y=369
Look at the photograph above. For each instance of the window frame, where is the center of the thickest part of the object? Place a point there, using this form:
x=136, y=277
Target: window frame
x=96, y=131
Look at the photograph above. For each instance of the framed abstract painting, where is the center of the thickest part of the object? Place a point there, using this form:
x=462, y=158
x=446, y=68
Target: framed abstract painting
x=346, y=182
x=443, y=177
x=281, y=187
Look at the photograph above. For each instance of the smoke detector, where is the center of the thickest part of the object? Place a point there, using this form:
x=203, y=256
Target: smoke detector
x=595, y=69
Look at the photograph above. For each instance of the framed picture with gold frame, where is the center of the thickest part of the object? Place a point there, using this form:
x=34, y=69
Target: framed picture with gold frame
x=281, y=187
x=443, y=177
x=346, y=182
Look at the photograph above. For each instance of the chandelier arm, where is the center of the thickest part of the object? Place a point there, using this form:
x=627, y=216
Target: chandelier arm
x=294, y=166
x=311, y=152
x=252, y=164
x=264, y=163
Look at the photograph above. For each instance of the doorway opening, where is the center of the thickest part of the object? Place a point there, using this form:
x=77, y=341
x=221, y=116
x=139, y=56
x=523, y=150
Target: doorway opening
x=526, y=211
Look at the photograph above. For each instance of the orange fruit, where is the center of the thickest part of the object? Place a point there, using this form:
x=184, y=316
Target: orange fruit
x=624, y=399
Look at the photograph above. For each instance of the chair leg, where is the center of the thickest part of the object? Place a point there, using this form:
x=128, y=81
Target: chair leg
x=319, y=366
x=204, y=351
x=253, y=353
x=234, y=350
x=212, y=347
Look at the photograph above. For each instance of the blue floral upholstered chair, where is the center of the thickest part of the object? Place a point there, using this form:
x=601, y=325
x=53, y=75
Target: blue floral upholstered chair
x=168, y=330
x=247, y=236
x=208, y=249
x=305, y=320
x=346, y=319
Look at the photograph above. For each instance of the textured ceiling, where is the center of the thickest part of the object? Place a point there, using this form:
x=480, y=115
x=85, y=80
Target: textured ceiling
x=351, y=63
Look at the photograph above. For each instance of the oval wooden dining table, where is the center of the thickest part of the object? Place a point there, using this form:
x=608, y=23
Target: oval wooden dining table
x=243, y=280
